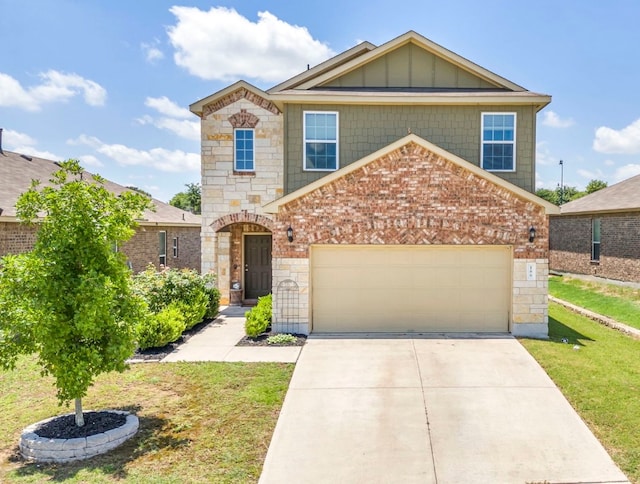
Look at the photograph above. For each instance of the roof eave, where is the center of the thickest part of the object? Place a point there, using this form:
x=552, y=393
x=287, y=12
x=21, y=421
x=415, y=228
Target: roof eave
x=198, y=106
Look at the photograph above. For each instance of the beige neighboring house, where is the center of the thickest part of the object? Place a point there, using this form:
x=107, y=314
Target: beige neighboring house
x=599, y=234
x=168, y=236
x=388, y=189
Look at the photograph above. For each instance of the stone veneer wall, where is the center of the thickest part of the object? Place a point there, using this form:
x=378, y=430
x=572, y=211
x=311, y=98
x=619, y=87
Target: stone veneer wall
x=415, y=197
x=570, y=245
x=225, y=191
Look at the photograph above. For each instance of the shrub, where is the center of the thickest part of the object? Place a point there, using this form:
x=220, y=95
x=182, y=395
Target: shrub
x=259, y=318
x=162, y=328
x=213, y=293
x=281, y=339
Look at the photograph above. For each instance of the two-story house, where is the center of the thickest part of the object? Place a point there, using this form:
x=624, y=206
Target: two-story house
x=388, y=189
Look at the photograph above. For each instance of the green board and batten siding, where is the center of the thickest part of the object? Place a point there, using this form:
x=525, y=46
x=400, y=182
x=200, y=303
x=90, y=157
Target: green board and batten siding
x=410, y=66
x=365, y=129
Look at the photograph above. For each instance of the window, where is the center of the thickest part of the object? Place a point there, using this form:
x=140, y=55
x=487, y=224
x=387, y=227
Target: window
x=162, y=247
x=175, y=247
x=244, y=150
x=498, y=141
x=595, y=239
x=320, y=141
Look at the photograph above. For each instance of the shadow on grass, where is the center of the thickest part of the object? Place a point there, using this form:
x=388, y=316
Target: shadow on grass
x=153, y=435
x=561, y=333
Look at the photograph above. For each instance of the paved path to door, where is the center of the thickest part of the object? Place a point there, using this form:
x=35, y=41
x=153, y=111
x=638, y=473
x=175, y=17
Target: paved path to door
x=433, y=410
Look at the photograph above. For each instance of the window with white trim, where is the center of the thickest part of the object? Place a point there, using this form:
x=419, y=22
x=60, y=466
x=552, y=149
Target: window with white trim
x=162, y=247
x=320, y=140
x=244, y=152
x=498, y=151
x=595, y=239
x=175, y=247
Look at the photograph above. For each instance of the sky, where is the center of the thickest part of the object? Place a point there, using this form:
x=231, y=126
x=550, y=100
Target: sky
x=110, y=82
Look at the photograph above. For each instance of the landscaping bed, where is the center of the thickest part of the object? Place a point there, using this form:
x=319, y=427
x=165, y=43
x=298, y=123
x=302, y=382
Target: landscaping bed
x=263, y=340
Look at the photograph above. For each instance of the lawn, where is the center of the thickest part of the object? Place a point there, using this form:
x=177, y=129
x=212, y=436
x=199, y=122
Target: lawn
x=618, y=302
x=199, y=422
x=598, y=371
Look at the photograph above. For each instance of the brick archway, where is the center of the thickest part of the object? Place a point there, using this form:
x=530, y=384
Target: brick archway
x=242, y=217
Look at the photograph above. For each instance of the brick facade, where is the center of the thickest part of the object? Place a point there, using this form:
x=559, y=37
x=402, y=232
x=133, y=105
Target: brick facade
x=141, y=249
x=412, y=196
x=570, y=245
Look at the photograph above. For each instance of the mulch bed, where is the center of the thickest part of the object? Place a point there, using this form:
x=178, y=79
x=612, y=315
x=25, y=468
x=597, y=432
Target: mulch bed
x=64, y=426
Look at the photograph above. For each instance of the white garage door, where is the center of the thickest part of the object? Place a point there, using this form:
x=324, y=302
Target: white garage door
x=410, y=288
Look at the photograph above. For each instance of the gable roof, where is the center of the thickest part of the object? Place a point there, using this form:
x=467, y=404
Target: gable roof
x=621, y=197
x=198, y=106
x=407, y=38
x=411, y=138
x=17, y=171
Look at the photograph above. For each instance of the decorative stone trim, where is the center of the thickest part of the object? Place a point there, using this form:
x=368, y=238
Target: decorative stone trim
x=242, y=217
x=39, y=449
x=241, y=93
x=243, y=119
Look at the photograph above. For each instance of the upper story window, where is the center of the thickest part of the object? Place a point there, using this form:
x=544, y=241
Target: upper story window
x=244, y=149
x=320, y=140
x=498, y=141
x=595, y=239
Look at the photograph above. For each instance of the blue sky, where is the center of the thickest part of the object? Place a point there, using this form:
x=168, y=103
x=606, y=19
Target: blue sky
x=110, y=82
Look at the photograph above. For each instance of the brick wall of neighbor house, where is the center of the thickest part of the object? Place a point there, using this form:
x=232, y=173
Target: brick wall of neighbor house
x=365, y=129
x=570, y=245
x=142, y=249
x=414, y=197
x=16, y=238
x=225, y=191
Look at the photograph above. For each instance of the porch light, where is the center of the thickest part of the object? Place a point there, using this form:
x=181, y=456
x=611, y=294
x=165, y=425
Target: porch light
x=532, y=233
x=290, y=234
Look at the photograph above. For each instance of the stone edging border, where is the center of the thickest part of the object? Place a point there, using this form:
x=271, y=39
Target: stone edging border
x=612, y=323
x=40, y=449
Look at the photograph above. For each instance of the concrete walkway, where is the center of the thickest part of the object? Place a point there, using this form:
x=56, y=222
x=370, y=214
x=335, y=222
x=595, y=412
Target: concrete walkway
x=433, y=410
x=217, y=342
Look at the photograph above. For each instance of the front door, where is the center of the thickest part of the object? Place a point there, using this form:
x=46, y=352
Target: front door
x=257, y=266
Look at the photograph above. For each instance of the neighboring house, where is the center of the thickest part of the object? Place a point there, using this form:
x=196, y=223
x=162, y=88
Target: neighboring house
x=599, y=234
x=168, y=236
x=386, y=189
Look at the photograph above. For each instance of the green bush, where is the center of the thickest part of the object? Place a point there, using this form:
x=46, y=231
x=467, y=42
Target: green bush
x=213, y=293
x=259, y=318
x=162, y=328
x=281, y=339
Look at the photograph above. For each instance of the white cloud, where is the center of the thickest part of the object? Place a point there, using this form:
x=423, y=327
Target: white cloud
x=543, y=156
x=625, y=140
x=609, y=162
x=24, y=144
x=166, y=106
x=176, y=119
x=90, y=160
x=55, y=87
x=158, y=158
x=14, y=138
x=552, y=120
x=220, y=44
x=591, y=175
x=152, y=53
x=626, y=171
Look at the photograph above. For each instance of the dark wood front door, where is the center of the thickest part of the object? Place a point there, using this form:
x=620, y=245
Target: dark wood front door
x=257, y=266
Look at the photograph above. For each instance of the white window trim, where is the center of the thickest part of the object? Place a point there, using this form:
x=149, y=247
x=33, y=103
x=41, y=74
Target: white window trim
x=160, y=254
x=235, y=161
x=593, y=241
x=175, y=247
x=514, y=142
x=304, y=141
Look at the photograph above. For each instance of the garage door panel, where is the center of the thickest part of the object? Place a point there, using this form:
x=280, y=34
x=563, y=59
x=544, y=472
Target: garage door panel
x=410, y=288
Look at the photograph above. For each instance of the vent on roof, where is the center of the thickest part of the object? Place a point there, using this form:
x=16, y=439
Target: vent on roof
x=57, y=163
x=28, y=158
x=1, y=152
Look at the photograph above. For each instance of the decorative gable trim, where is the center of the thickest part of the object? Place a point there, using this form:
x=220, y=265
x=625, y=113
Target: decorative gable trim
x=237, y=95
x=243, y=119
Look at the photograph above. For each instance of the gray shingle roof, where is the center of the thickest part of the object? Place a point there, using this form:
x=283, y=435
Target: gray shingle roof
x=623, y=196
x=17, y=171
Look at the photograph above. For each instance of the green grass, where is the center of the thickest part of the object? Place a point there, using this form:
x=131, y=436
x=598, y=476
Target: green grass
x=199, y=422
x=601, y=380
x=618, y=302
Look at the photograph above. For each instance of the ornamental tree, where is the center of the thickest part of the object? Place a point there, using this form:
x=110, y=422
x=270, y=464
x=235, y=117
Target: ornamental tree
x=69, y=300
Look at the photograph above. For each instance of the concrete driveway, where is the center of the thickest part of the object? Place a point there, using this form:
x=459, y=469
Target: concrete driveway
x=391, y=409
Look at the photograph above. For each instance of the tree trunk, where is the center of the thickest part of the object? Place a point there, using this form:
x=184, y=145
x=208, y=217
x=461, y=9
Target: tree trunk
x=79, y=414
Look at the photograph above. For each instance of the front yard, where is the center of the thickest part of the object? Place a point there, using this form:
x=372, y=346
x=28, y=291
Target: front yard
x=598, y=371
x=199, y=422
